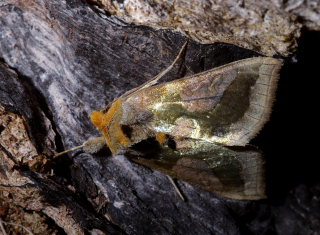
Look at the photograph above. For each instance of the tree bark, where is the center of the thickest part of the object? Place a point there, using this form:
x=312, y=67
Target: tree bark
x=62, y=59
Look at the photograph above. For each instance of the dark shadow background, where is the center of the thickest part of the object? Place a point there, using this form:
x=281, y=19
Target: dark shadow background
x=290, y=138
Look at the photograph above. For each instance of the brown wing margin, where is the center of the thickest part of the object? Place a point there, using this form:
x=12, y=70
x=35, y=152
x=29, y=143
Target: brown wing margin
x=261, y=100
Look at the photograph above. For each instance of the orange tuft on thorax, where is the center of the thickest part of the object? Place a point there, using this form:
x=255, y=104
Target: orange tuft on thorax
x=109, y=124
x=102, y=119
x=96, y=118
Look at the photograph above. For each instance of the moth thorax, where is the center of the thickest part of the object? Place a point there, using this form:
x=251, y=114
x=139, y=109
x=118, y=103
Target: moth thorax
x=108, y=122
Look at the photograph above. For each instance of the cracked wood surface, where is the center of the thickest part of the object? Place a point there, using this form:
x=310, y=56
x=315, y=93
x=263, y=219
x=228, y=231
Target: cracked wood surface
x=62, y=59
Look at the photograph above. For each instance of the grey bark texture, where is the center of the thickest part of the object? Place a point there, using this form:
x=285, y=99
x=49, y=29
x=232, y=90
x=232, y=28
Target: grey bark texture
x=62, y=59
x=269, y=27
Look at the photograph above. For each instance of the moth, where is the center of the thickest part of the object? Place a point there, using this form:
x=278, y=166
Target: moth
x=197, y=128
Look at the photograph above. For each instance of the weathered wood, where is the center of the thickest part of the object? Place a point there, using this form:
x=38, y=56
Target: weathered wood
x=67, y=59
x=20, y=185
x=268, y=27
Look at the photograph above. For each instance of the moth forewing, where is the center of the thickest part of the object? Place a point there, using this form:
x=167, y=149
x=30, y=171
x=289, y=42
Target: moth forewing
x=226, y=105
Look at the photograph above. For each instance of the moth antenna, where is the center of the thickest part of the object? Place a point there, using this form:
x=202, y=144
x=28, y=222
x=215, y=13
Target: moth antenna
x=90, y=146
x=155, y=79
x=68, y=150
x=178, y=191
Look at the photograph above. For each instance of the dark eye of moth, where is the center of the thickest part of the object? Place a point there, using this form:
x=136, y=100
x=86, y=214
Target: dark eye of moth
x=127, y=130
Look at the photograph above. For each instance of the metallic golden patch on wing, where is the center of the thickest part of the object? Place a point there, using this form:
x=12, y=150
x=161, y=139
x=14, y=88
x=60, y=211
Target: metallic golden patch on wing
x=230, y=103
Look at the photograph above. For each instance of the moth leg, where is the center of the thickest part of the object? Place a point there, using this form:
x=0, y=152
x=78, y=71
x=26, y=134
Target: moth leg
x=178, y=191
x=93, y=145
